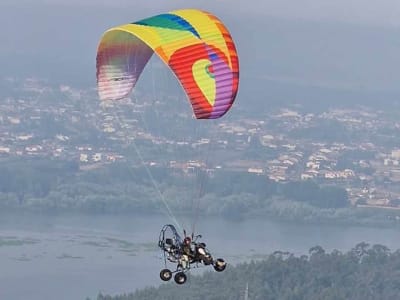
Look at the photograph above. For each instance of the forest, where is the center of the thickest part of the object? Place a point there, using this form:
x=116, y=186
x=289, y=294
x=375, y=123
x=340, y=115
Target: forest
x=366, y=272
x=117, y=187
x=123, y=187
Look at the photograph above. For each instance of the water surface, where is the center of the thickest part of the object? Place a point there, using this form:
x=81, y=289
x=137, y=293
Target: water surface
x=68, y=257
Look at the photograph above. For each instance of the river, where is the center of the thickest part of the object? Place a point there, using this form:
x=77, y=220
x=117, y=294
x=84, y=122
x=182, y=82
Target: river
x=66, y=257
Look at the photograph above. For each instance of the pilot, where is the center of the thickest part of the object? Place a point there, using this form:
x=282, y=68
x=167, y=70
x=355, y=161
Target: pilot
x=187, y=247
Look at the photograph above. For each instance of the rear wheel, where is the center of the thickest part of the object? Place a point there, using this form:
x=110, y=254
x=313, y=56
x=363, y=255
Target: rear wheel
x=165, y=274
x=180, y=278
x=219, y=265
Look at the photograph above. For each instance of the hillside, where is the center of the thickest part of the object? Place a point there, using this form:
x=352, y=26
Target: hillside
x=365, y=272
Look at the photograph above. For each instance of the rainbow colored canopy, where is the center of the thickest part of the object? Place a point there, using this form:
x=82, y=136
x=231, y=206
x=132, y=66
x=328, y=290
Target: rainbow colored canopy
x=193, y=43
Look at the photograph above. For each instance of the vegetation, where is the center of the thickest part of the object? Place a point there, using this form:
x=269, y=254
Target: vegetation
x=122, y=188
x=365, y=272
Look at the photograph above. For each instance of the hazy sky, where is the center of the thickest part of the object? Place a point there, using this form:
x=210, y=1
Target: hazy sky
x=326, y=43
x=373, y=12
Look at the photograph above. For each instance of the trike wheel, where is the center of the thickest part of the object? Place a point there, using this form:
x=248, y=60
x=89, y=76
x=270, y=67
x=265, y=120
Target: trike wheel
x=180, y=278
x=165, y=274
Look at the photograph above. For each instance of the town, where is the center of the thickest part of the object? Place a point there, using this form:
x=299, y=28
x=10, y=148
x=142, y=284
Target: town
x=352, y=148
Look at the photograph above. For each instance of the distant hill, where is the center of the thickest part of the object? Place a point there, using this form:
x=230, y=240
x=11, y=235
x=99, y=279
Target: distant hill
x=364, y=273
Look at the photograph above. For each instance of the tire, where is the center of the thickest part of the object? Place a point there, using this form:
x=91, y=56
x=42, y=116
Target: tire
x=180, y=278
x=219, y=265
x=165, y=275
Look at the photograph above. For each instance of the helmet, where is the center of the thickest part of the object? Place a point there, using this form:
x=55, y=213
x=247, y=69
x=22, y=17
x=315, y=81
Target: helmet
x=187, y=240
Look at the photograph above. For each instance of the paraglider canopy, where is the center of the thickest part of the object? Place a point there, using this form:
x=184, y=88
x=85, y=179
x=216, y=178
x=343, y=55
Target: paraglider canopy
x=195, y=44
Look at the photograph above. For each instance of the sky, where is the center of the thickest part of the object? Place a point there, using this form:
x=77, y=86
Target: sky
x=325, y=43
x=367, y=12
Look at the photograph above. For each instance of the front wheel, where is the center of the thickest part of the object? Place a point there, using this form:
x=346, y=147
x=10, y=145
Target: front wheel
x=219, y=265
x=165, y=274
x=180, y=278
